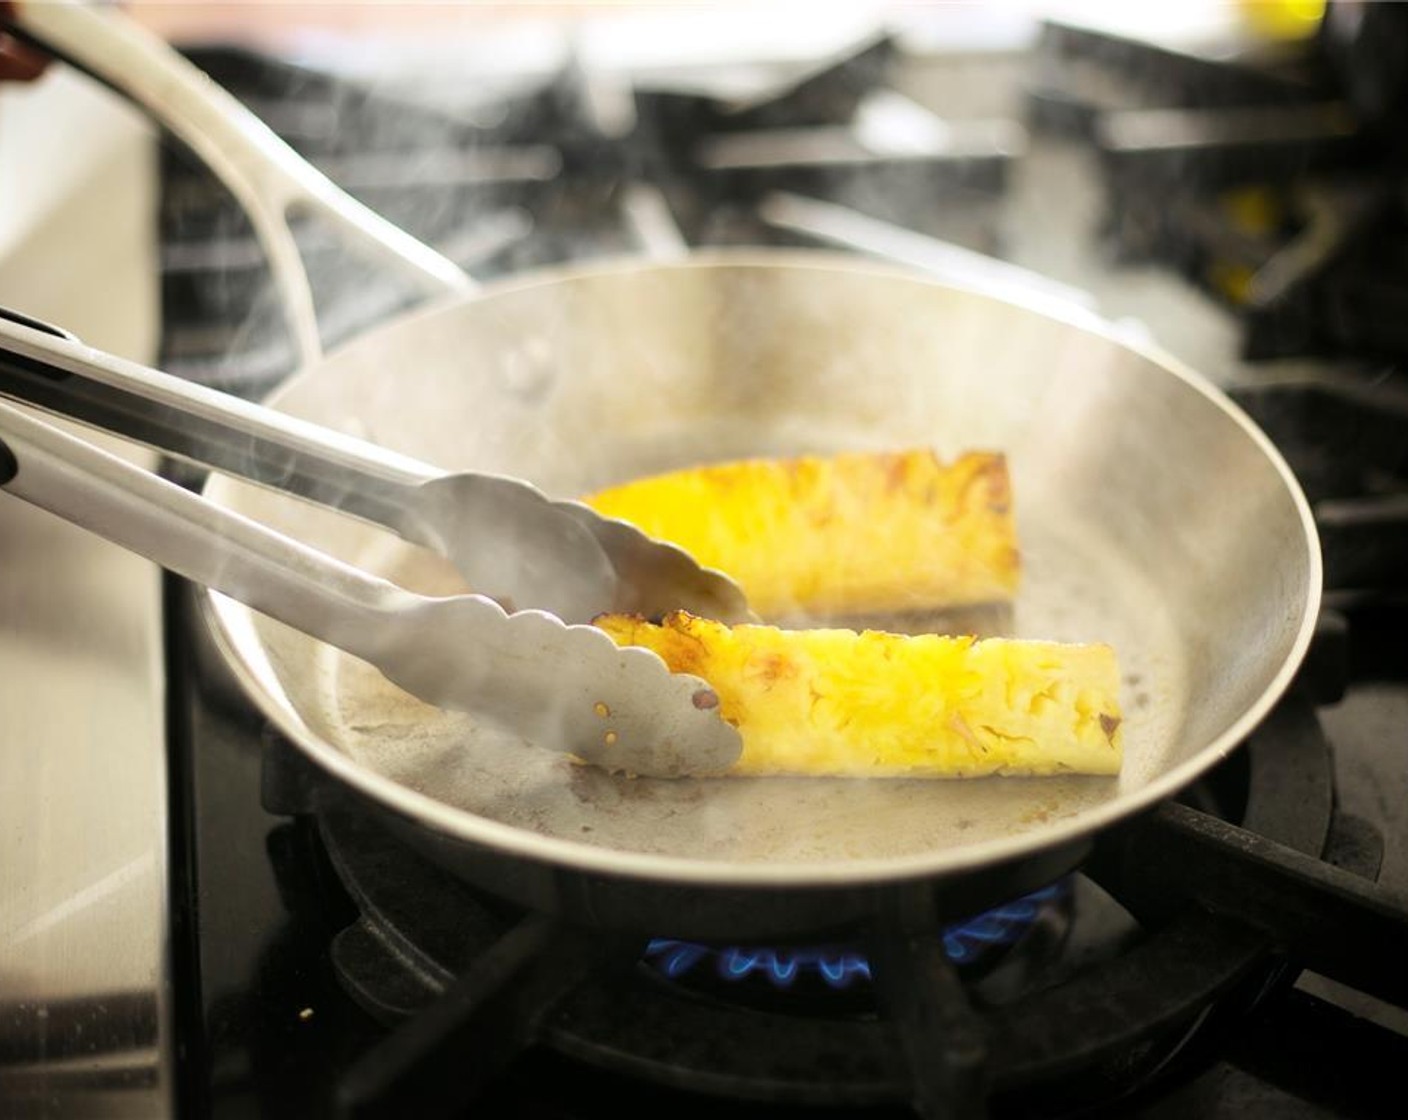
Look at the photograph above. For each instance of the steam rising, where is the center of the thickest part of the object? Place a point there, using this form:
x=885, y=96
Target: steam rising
x=633, y=373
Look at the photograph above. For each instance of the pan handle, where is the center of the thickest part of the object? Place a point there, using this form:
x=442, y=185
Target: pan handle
x=267, y=177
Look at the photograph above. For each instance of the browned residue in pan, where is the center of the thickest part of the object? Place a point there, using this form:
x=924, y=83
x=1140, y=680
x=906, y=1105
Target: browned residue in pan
x=609, y=793
x=1042, y=812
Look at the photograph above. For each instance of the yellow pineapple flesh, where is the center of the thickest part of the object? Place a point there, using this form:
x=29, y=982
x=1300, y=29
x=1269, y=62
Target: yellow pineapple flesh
x=855, y=533
x=874, y=704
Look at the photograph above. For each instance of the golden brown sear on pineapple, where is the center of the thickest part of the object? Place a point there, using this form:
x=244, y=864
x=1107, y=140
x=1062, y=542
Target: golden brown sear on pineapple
x=855, y=533
x=873, y=704
x=870, y=534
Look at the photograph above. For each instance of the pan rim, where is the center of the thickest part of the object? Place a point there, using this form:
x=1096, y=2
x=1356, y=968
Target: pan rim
x=512, y=840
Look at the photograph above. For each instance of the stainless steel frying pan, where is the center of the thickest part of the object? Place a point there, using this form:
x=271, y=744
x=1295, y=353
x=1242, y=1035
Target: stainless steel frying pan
x=1153, y=515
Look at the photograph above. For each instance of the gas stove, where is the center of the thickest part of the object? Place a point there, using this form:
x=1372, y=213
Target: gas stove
x=1229, y=954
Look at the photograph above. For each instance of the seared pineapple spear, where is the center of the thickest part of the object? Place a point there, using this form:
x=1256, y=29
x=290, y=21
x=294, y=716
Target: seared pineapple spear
x=872, y=704
x=854, y=533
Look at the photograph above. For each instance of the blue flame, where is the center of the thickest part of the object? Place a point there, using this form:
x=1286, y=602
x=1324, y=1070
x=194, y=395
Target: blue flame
x=840, y=967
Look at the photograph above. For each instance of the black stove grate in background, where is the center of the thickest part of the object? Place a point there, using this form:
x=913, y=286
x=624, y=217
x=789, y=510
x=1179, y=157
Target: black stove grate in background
x=1348, y=446
x=544, y=176
x=1273, y=178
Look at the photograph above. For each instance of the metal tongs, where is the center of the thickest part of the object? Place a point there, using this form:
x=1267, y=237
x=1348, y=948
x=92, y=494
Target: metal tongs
x=515, y=653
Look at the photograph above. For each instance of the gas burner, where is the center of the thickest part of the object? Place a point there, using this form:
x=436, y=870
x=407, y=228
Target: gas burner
x=837, y=966
x=814, y=975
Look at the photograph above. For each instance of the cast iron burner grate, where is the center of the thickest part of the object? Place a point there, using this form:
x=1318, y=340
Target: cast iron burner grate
x=1176, y=927
x=1348, y=446
x=1273, y=181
